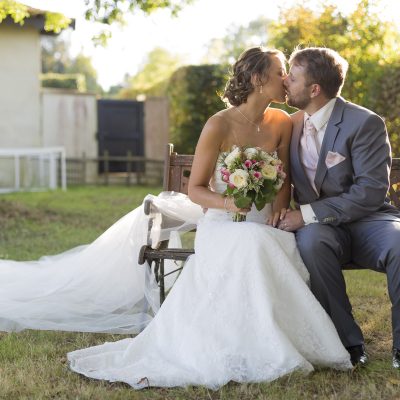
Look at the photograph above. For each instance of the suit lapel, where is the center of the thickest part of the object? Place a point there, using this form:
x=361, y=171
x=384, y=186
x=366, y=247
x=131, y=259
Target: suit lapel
x=297, y=132
x=331, y=133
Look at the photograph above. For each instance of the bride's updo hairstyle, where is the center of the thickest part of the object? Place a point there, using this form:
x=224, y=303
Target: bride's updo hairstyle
x=254, y=61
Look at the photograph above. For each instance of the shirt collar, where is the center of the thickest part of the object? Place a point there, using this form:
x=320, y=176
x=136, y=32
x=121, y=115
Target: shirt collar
x=321, y=117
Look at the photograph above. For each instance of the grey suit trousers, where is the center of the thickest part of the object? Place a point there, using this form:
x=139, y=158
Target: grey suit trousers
x=325, y=248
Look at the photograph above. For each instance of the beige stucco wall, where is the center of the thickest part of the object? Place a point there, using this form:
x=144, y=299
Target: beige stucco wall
x=19, y=86
x=156, y=127
x=69, y=119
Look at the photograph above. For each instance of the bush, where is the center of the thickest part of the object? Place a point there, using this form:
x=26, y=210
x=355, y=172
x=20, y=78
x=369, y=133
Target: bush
x=384, y=96
x=194, y=95
x=64, y=81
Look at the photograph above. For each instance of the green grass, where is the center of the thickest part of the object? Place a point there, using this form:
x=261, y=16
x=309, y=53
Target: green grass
x=33, y=363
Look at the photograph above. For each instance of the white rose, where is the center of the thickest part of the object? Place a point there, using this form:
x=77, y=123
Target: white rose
x=267, y=158
x=232, y=156
x=276, y=161
x=239, y=178
x=269, y=172
x=250, y=153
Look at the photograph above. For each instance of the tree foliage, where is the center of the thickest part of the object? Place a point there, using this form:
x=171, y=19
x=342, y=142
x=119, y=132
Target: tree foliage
x=18, y=12
x=369, y=44
x=193, y=94
x=152, y=78
x=110, y=11
x=238, y=38
x=105, y=11
x=57, y=59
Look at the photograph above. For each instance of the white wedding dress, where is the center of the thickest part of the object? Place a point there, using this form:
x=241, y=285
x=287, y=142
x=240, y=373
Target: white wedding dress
x=95, y=288
x=241, y=310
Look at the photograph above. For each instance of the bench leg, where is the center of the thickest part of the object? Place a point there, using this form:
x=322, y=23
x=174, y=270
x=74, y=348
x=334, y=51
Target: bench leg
x=161, y=282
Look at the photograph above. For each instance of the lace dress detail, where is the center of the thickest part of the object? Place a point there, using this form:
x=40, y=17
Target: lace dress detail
x=240, y=311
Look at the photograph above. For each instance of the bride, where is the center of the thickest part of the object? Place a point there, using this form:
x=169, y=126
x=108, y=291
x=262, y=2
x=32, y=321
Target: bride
x=241, y=309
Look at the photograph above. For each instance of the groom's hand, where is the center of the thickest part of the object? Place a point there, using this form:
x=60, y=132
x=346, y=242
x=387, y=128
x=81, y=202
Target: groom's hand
x=293, y=220
x=276, y=217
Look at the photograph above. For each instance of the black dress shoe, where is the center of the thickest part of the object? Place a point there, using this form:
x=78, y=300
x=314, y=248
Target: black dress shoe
x=358, y=356
x=396, y=358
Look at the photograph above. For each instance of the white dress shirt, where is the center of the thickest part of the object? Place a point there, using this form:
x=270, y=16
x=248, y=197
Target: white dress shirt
x=320, y=120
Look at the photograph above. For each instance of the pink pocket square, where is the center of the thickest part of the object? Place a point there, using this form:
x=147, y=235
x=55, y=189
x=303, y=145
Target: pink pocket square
x=333, y=158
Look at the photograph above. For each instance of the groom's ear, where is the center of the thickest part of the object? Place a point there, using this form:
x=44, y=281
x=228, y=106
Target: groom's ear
x=315, y=90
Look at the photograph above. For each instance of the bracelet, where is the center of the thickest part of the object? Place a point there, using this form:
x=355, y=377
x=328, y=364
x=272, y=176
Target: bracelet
x=225, y=201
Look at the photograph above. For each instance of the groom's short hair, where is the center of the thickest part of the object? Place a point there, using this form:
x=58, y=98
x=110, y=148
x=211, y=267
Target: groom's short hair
x=323, y=66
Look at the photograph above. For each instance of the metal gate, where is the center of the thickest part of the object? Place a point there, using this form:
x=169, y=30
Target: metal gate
x=120, y=132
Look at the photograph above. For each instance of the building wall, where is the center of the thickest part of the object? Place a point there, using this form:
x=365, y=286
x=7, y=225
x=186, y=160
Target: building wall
x=69, y=119
x=156, y=127
x=19, y=86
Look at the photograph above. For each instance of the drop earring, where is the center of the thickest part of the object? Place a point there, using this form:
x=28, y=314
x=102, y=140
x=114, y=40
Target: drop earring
x=261, y=89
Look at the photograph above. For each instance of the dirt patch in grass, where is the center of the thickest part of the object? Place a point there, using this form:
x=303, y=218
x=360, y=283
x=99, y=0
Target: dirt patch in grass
x=11, y=211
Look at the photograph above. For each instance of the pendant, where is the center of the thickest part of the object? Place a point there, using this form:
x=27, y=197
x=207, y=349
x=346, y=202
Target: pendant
x=258, y=129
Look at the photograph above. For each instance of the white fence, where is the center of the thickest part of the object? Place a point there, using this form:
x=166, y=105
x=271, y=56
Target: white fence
x=33, y=169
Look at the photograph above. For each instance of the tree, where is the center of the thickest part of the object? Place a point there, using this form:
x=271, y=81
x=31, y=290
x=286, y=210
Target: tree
x=57, y=59
x=110, y=11
x=152, y=78
x=193, y=93
x=18, y=12
x=227, y=49
x=55, y=55
x=104, y=11
x=82, y=64
x=368, y=43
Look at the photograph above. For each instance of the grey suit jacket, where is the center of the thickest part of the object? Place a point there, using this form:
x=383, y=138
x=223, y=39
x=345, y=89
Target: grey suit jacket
x=355, y=188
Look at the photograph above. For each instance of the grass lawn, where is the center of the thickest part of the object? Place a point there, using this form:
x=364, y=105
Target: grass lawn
x=33, y=363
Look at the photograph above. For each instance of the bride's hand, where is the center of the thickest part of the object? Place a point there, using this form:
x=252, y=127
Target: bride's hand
x=229, y=205
x=276, y=217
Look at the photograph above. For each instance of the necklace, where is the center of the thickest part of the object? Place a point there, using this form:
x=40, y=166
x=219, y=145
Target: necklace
x=251, y=122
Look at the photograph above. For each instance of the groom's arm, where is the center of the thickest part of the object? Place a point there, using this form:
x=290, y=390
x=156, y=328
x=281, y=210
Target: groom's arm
x=371, y=161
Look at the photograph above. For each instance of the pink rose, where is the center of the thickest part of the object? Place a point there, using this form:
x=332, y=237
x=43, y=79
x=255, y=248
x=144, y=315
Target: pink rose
x=254, y=161
x=279, y=168
x=248, y=164
x=257, y=175
x=231, y=185
x=225, y=178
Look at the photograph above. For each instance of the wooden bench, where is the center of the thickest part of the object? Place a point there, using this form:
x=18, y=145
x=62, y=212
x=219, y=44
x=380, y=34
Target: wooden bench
x=176, y=178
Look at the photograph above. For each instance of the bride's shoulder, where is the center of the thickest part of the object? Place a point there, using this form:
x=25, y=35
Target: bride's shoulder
x=281, y=118
x=218, y=124
x=279, y=114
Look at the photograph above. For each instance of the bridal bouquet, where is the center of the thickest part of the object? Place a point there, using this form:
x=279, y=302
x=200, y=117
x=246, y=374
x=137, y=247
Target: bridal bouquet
x=252, y=175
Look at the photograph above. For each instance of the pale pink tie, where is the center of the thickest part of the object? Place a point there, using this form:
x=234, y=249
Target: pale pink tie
x=309, y=150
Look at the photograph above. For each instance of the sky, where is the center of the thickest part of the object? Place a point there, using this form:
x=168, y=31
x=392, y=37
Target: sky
x=186, y=35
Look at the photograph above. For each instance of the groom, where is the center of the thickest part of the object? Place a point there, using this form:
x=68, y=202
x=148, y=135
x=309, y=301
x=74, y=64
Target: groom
x=340, y=162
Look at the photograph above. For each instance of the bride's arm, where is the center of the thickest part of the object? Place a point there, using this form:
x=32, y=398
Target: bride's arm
x=208, y=147
x=282, y=199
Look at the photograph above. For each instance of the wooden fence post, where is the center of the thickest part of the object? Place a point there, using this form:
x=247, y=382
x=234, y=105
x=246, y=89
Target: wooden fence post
x=128, y=167
x=106, y=167
x=83, y=169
